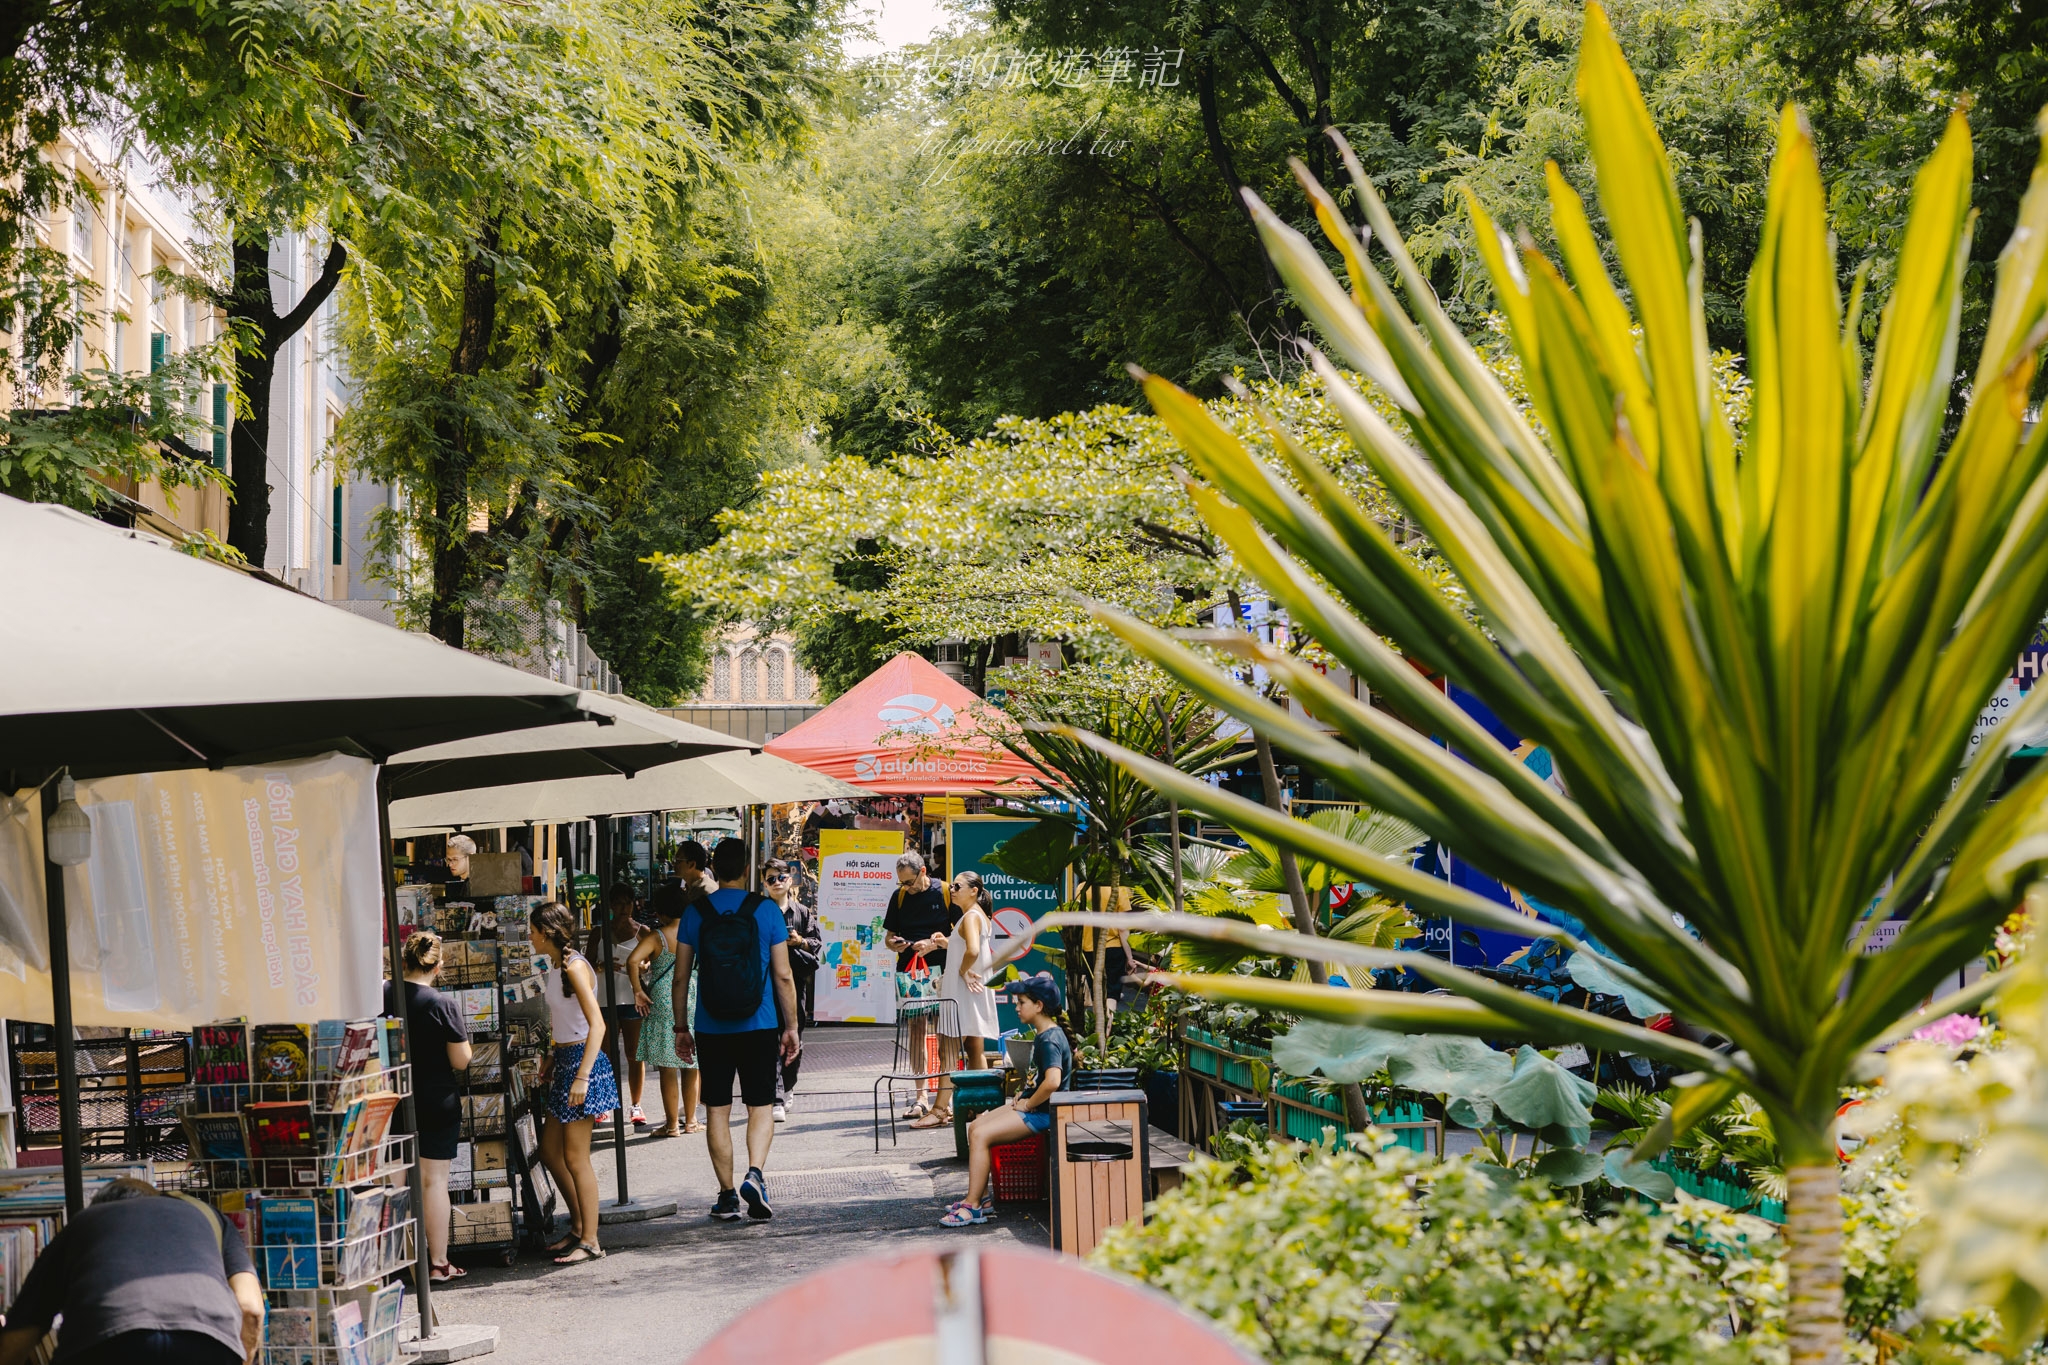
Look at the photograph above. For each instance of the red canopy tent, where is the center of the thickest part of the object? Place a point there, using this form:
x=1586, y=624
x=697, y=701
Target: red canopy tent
x=934, y=744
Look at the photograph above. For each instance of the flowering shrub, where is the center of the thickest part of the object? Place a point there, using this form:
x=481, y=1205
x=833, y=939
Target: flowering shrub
x=1309, y=1254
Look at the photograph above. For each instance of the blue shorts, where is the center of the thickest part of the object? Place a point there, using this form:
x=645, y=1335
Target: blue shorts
x=1037, y=1120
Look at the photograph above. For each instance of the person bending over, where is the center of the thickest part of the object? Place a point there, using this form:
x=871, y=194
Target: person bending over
x=140, y=1278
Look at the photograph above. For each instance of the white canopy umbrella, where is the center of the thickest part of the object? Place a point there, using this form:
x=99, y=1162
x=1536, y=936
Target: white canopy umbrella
x=122, y=655
x=623, y=738
x=728, y=779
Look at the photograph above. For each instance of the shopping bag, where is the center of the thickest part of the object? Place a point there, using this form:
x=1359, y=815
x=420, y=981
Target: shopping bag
x=917, y=981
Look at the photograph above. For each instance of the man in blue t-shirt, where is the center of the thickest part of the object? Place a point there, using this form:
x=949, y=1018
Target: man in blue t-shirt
x=745, y=1023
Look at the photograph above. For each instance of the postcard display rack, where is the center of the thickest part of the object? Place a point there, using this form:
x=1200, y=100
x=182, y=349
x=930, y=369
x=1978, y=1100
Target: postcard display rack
x=290, y=1134
x=501, y=1195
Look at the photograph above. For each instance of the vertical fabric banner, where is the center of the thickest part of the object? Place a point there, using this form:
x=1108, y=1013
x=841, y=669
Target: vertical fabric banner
x=249, y=891
x=970, y=840
x=856, y=878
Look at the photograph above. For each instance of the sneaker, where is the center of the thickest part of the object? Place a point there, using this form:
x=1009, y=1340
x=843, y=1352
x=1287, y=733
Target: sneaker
x=639, y=1118
x=781, y=1112
x=728, y=1205
x=754, y=1189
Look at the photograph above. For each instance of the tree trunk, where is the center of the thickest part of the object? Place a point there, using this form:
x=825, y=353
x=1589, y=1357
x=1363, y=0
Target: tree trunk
x=251, y=304
x=260, y=333
x=1813, y=1260
x=447, y=614
x=1226, y=167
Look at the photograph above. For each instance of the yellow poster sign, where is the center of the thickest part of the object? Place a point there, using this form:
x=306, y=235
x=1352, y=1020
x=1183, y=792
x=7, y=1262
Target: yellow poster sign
x=856, y=878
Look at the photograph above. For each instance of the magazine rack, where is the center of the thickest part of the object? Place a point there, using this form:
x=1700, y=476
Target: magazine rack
x=295, y=1147
x=487, y=963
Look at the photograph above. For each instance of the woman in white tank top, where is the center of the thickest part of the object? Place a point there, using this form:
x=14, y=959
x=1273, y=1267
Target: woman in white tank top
x=577, y=1074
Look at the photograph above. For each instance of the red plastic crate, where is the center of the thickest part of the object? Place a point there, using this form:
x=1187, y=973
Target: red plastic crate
x=1019, y=1169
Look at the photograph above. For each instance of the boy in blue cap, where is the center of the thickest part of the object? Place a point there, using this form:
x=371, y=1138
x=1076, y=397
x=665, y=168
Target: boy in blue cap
x=1037, y=1002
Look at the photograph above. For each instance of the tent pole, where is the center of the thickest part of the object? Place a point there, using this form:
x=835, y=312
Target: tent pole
x=423, y=1272
x=65, y=1036
x=613, y=1034
x=753, y=851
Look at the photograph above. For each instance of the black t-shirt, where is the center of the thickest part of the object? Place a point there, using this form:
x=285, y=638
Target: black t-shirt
x=147, y=1263
x=435, y=1021
x=918, y=914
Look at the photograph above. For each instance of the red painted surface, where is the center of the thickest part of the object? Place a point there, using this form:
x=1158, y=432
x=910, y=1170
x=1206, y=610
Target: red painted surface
x=1026, y=1294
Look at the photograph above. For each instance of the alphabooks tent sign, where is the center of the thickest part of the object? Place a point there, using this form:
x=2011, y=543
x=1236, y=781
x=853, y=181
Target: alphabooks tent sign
x=249, y=891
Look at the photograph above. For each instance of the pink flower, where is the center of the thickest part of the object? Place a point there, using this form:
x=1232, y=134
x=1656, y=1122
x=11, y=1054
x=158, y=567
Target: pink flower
x=1952, y=1030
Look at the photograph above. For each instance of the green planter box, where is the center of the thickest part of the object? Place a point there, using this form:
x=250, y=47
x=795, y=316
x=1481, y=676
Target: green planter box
x=1723, y=1185
x=1309, y=1127
x=1211, y=1055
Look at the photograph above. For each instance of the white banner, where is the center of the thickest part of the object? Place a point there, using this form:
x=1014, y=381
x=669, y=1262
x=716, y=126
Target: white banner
x=856, y=877
x=249, y=891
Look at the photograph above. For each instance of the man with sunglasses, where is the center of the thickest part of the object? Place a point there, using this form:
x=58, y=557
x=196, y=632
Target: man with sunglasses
x=778, y=884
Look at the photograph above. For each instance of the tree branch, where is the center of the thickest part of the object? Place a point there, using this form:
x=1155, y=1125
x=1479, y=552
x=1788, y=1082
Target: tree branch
x=277, y=332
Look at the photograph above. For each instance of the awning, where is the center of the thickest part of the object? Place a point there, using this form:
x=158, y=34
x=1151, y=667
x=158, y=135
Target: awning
x=728, y=779
x=903, y=729
x=635, y=738
x=118, y=654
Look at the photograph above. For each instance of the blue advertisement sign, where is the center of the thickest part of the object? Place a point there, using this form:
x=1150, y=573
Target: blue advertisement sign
x=970, y=839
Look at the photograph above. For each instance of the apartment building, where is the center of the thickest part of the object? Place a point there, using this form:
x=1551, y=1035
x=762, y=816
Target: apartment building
x=134, y=225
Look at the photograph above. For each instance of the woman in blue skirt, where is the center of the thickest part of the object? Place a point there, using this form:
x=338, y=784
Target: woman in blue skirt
x=578, y=1077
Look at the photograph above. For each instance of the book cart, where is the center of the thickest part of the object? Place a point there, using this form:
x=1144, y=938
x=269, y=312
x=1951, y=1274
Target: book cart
x=501, y=1197
x=294, y=1146
x=132, y=1089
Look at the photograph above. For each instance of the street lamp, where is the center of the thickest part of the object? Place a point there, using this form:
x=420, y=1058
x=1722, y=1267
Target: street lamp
x=68, y=834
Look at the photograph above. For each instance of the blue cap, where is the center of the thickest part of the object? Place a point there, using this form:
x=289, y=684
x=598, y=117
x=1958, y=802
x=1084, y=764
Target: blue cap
x=1041, y=987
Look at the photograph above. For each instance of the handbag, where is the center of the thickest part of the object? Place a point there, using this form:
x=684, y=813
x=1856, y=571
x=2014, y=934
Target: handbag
x=917, y=982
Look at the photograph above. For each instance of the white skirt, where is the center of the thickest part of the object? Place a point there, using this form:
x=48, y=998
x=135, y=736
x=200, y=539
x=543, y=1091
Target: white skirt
x=974, y=1012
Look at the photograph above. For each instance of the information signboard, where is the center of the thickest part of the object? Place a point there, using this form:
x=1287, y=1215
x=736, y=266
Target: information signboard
x=856, y=877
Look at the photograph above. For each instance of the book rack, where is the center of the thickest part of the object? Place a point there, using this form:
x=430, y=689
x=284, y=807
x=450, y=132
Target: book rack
x=502, y=1196
x=290, y=1135
x=385, y=1162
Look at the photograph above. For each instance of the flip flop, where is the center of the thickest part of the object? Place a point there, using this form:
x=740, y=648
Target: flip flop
x=442, y=1274
x=934, y=1119
x=584, y=1252
x=556, y=1248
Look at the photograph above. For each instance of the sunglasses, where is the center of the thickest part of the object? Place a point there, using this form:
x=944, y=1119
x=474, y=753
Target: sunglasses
x=778, y=876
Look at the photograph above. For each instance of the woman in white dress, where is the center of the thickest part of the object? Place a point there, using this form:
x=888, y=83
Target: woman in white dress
x=971, y=1018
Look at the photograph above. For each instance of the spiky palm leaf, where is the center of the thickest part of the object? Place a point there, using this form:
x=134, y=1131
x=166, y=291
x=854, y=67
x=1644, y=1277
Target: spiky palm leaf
x=1758, y=667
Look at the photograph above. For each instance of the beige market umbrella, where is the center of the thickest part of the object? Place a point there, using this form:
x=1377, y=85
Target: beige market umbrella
x=623, y=739
x=728, y=779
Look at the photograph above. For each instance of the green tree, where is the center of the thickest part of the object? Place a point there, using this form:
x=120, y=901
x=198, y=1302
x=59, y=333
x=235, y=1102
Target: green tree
x=1759, y=666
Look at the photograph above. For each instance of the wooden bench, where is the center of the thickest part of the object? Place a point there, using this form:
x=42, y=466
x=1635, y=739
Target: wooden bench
x=1165, y=1155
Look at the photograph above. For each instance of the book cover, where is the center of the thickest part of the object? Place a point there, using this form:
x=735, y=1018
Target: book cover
x=387, y=1310
x=281, y=1055
x=393, y=1052
x=216, y=1137
x=349, y=1334
x=220, y=1054
x=288, y=1327
x=327, y=1036
x=290, y=1228
x=279, y=1128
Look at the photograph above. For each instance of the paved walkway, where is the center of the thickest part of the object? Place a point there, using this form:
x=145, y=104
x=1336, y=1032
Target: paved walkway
x=668, y=1286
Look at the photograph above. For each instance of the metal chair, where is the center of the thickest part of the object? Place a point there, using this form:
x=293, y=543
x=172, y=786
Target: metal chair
x=919, y=1025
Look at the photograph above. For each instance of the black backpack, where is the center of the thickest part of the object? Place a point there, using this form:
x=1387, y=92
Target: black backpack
x=730, y=978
